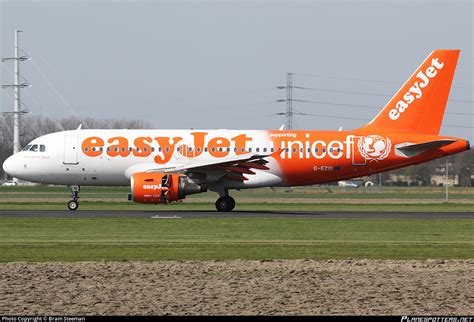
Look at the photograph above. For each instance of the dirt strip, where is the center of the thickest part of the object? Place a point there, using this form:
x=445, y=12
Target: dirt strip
x=302, y=287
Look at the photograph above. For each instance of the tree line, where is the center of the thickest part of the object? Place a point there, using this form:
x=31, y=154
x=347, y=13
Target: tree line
x=35, y=126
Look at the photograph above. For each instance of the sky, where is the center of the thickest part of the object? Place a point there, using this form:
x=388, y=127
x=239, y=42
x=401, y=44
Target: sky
x=216, y=64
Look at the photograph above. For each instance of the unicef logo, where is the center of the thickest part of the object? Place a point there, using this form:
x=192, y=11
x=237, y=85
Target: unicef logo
x=374, y=147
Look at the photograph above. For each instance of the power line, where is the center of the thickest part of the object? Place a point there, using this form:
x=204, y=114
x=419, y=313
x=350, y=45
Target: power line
x=339, y=91
x=358, y=79
x=362, y=93
x=361, y=119
x=336, y=104
x=55, y=90
x=290, y=112
x=346, y=105
x=329, y=116
x=348, y=78
x=365, y=106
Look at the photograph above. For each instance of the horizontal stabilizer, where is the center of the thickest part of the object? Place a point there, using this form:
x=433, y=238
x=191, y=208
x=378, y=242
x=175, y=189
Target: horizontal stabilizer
x=413, y=149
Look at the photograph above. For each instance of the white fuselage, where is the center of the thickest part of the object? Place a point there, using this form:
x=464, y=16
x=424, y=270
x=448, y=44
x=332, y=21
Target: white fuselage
x=64, y=159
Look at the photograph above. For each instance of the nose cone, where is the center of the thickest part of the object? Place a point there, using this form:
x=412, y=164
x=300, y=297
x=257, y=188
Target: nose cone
x=9, y=166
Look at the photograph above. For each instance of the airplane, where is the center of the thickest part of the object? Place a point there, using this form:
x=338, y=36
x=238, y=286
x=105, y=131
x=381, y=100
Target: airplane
x=164, y=166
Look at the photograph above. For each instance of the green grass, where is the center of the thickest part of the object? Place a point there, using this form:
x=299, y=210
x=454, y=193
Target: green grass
x=123, y=239
x=298, y=192
x=263, y=206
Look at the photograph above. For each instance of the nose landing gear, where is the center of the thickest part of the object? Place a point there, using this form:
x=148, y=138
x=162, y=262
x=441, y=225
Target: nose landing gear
x=74, y=203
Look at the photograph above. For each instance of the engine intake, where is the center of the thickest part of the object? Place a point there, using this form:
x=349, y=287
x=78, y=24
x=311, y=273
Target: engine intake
x=155, y=188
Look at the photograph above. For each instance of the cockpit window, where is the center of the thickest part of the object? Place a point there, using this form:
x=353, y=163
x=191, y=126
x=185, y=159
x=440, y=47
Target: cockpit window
x=34, y=148
x=42, y=148
x=26, y=148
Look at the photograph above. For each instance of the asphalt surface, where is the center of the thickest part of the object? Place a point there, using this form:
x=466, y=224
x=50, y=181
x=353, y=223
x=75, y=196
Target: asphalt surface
x=237, y=214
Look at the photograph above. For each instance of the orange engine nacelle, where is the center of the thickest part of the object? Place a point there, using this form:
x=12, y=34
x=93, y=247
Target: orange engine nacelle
x=155, y=188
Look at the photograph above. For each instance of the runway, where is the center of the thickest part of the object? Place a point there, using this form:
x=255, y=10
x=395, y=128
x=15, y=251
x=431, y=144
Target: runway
x=237, y=214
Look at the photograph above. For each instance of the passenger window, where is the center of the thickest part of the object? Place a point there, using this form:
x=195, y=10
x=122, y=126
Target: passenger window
x=42, y=148
x=34, y=148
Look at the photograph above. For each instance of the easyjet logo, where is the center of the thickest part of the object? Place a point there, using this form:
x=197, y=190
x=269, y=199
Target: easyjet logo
x=164, y=147
x=416, y=90
x=152, y=187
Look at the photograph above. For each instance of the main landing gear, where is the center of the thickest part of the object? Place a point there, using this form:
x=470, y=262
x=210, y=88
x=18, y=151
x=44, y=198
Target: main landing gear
x=225, y=204
x=74, y=203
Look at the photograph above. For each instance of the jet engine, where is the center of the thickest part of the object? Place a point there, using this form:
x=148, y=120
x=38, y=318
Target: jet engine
x=155, y=188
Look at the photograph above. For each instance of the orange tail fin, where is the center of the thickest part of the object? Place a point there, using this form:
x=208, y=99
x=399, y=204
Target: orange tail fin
x=419, y=104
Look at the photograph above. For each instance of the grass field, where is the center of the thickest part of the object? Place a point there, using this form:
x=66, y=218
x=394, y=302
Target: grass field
x=123, y=239
x=119, y=239
x=317, y=198
x=267, y=206
x=297, y=192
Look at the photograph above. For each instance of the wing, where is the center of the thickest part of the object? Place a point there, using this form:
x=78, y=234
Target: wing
x=233, y=168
